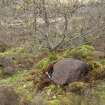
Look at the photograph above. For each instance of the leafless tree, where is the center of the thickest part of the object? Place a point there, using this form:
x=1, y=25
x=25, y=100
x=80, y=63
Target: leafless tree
x=51, y=24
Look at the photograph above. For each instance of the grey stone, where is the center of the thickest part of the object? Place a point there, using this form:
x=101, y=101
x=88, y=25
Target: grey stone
x=9, y=70
x=68, y=70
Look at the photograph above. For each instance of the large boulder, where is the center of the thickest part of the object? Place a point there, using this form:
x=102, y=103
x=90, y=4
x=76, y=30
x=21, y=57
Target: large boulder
x=68, y=70
x=8, y=96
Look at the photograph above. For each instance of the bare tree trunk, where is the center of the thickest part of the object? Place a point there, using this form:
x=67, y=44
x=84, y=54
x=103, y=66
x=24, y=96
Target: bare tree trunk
x=47, y=27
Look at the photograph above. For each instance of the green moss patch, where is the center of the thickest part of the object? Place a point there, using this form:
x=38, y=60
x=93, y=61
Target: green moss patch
x=80, y=52
x=23, y=87
x=43, y=64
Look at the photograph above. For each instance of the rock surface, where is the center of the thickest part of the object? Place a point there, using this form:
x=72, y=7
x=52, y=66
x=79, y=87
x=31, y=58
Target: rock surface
x=6, y=61
x=68, y=70
x=7, y=65
x=8, y=96
x=9, y=70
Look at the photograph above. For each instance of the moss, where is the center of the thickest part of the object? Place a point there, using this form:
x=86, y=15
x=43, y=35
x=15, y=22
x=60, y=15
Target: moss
x=53, y=90
x=54, y=102
x=97, y=69
x=39, y=99
x=24, y=60
x=43, y=64
x=77, y=87
x=12, y=52
x=19, y=56
x=23, y=87
x=52, y=56
x=70, y=99
x=80, y=52
x=102, y=61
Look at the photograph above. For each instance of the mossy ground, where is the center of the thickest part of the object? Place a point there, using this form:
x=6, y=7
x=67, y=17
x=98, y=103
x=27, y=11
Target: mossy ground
x=19, y=82
x=86, y=94
x=92, y=93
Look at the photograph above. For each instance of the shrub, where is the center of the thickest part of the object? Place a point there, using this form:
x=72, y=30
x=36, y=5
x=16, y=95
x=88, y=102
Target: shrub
x=53, y=90
x=98, y=69
x=54, y=102
x=52, y=56
x=19, y=56
x=43, y=64
x=12, y=52
x=39, y=99
x=80, y=52
x=77, y=87
x=102, y=62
